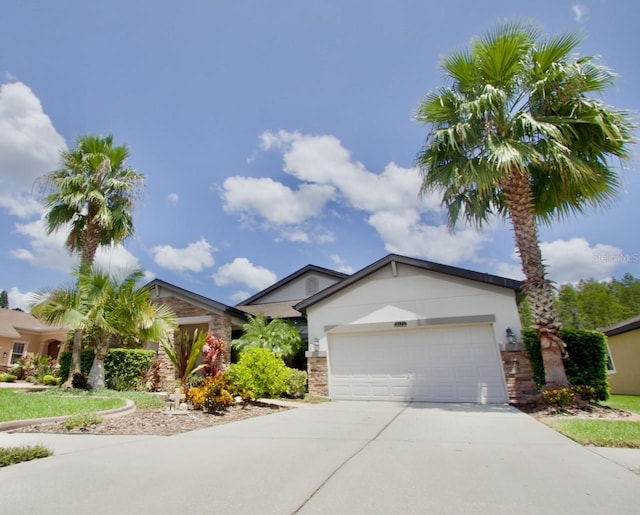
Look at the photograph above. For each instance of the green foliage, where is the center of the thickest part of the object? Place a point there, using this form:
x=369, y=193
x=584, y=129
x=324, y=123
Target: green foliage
x=125, y=368
x=8, y=378
x=595, y=304
x=184, y=354
x=261, y=372
x=151, y=380
x=277, y=335
x=524, y=312
x=50, y=380
x=13, y=455
x=86, y=360
x=586, y=365
x=599, y=433
x=82, y=420
x=558, y=398
x=4, y=299
x=296, y=382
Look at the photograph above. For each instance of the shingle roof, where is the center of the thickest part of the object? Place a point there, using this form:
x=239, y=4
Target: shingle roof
x=622, y=327
x=11, y=321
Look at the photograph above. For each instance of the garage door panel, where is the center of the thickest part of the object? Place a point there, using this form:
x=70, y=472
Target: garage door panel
x=452, y=364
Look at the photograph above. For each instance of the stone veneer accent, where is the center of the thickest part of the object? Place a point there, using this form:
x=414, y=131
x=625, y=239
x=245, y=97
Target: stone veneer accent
x=219, y=325
x=521, y=389
x=317, y=373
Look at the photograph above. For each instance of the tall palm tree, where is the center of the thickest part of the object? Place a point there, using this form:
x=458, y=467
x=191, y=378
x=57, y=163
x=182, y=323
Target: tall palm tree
x=91, y=196
x=111, y=307
x=516, y=135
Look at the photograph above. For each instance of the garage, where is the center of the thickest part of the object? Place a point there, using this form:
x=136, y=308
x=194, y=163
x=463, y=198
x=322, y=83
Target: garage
x=438, y=364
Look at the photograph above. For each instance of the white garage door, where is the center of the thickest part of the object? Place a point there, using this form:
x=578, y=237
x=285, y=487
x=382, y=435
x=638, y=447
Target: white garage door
x=442, y=364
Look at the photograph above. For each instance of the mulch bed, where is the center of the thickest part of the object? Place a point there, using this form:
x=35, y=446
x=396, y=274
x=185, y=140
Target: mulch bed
x=158, y=421
x=585, y=410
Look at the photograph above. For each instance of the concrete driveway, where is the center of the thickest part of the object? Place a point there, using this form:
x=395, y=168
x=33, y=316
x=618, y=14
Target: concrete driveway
x=339, y=457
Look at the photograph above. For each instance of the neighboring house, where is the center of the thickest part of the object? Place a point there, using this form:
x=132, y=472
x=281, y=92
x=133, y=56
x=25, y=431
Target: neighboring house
x=279, y=299
x=408, y=329
x=623, y=340
x=22, y=334
x=198, y=312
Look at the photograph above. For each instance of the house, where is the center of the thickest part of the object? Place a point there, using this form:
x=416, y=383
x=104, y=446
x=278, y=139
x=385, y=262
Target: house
x=399, y=329
x=196, y=312
x=22, y=334
x=407, y=329
x=623, y=339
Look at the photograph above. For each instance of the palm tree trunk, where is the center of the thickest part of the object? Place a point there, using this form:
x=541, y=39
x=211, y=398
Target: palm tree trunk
x=76, y=358
x=537, y=287
x=96, y=375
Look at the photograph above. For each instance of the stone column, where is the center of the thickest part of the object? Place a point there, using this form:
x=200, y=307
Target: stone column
x=220, y=327
x=317, y=373
x=167, y=369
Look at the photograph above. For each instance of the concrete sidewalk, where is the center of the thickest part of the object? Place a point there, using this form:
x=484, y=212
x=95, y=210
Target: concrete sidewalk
x=339, y=457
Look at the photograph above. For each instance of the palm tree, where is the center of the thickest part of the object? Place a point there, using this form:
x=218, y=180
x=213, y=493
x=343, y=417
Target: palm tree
x=110, y=307
x=516, y=135
x=91, y=196
x=276, y=335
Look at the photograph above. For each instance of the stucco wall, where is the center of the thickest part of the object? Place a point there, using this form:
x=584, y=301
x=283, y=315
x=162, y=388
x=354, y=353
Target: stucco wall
x=413, y=294
x=296, y=289
x=625, y=352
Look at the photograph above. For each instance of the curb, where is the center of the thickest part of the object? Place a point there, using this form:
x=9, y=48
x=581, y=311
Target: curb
x=129, y=407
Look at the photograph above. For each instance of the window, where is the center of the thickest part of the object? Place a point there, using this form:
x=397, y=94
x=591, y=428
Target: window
x=311, y=285
x=16, y=352
x=611, y=368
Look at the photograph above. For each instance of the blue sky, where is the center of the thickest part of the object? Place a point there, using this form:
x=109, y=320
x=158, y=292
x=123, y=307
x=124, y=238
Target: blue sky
x=273, y=135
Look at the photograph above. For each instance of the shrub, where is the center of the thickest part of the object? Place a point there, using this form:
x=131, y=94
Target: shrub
x=82, y=420
x=86, y=360
x=261, y=372
x=586, y=393
x=49, y=380
x=587, y=362
x=80, y=381
x=124, y=368
x=8, y=378
x=32, y=379
x=296, y=382
x=13, y=455
x=151, y=379
x=213, y=395
x=559, y=398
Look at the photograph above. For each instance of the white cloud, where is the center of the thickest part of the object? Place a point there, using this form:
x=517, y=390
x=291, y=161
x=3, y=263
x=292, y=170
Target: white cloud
x=45, y=250
x=22, y=205
x=403, y=233
x=173, y=198
x=193, y=258
x=29, y=144
x=240, y=295
x=116, y=258
x=342, y=266
x=242, y=271
x=275, y=202
x=17, y=299
x=568, y=261
x=580, y=11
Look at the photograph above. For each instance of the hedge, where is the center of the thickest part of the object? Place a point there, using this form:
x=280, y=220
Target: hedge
x=123, y=368
x=586, y=364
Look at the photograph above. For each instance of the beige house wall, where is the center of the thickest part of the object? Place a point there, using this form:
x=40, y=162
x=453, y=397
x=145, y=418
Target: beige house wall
x=625, y=353
x=35, y=343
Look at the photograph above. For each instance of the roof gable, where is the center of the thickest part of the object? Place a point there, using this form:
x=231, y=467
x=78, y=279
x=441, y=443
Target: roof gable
x=12, y=322
x=392, y=259
x=300, y=275
x=193, y=298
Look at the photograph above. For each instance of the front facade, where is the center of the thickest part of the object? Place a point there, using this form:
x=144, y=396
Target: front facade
x=22, y=335
x=407, y=329
x=623, y=339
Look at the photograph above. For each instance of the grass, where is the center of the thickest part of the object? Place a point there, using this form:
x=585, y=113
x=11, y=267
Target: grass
x=601, y=433
x=57, y=402
x=13, y=455
x=624, y=402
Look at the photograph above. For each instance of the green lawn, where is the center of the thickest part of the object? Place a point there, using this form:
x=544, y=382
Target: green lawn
x=624, y=402
x=20, y=405
x=601, y=433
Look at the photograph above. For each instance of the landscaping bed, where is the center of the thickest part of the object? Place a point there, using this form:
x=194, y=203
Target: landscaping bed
x=159, y=421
